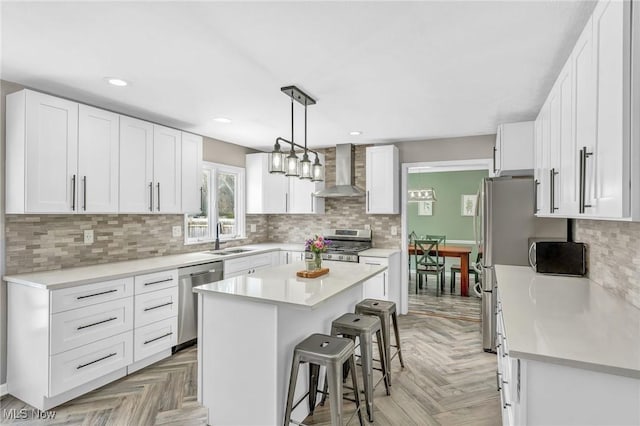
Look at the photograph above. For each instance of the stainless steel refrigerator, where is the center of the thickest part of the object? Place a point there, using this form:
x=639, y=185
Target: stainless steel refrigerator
x=504, y=221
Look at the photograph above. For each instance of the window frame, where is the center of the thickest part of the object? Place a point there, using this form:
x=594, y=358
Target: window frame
x=212, y=200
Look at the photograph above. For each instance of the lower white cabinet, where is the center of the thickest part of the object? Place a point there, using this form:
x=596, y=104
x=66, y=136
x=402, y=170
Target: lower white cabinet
x=376, y=287
x=287, y=257
x=64, y=343
x=246, y=265
x=535, y=392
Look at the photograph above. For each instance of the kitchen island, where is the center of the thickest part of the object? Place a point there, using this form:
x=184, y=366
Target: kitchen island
x=248, y=327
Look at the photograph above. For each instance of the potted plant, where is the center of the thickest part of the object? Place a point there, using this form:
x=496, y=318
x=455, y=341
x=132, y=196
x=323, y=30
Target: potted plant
x=317, y=245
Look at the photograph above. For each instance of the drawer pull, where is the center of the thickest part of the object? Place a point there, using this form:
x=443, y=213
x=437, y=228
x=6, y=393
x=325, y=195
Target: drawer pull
x=97, y=360
x=158, y=338
x=159, y=306
x=498, y=381
x=158, y=282
x=97, y=323
x=96, y=294
x=371, y=263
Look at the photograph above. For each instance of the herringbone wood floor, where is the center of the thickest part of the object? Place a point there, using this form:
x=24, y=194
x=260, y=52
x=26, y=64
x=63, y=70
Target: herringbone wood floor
x=448, y=380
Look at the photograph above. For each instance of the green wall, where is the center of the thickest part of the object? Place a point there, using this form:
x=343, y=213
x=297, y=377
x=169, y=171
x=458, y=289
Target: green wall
x=447, y=219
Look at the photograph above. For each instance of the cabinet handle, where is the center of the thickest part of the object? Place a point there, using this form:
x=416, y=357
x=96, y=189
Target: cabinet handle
x=150, y=196
x=498, y=381
x=518, y=383
x=159, y=306
x=494, y=159
x=371, y=263
x=96, y=294
x=384, y=284
x=73, y=193
x=584, y=154
x=97, y=360
x=158, y=338
x=84, y=193
x=552, y=192
x=286, y=202
x=96, y=323
x=312, y=202
x=368, y=201
x=158, y=282
x=158, y=185
x=535, y=196
x=201, y=199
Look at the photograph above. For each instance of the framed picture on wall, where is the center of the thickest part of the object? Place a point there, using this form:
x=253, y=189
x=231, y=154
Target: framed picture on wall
x=468, y=207
x=425, y=208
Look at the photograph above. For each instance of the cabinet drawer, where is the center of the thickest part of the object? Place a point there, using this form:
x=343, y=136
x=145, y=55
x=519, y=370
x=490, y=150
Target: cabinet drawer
x=247, y=262
x=154, y=338
x=155, y=306
x=71, y=329
x=78, y=366
x=156, y=281
x=381, y=261
x=90, y=294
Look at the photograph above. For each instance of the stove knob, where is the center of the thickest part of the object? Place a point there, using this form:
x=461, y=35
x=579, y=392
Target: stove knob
x=341, y=257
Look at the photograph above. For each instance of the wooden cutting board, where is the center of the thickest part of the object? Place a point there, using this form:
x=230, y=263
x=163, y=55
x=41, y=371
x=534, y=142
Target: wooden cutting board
x=313, y=274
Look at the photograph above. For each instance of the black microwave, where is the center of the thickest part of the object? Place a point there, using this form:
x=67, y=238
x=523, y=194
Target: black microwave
x=558, y=258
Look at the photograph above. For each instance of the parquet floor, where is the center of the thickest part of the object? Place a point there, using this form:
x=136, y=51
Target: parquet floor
x=448, y=380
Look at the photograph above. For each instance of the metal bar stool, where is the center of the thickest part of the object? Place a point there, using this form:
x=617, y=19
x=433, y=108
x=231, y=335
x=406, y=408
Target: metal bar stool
x=330, y=352
x=364, y=327
x=386, y=311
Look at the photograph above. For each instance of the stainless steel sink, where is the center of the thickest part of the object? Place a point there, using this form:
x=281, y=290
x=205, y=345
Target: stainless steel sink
x=229, y=251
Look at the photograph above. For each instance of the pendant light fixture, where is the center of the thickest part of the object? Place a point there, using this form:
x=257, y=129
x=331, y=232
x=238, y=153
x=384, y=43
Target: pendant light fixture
x=291, y=165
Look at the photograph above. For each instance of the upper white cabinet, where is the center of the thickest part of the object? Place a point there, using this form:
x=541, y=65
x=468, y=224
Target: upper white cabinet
x=191, y=172
x=136, y=166
x=382, y=175
x=42, y=154
x=98, y=160
x=590, y=115
x=513, y=153
x=276, y=194
x=167, y=169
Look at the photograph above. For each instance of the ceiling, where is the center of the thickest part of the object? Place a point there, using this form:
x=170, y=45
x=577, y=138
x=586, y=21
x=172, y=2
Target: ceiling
x=396, y=71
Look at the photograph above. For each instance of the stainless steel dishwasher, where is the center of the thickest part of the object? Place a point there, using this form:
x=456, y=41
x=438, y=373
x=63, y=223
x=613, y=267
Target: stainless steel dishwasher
x=189, y=277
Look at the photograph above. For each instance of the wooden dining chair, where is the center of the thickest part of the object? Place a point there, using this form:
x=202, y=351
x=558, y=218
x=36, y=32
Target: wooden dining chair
x=456, y=269
x=429, y=261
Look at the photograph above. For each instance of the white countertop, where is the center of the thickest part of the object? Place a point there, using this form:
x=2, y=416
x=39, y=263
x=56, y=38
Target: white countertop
x=378, y=252
x=568, y=321
x=279, y=284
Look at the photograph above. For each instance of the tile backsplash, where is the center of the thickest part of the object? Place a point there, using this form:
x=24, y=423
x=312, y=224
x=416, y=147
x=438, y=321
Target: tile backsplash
x=613, y=255
x=45, y=242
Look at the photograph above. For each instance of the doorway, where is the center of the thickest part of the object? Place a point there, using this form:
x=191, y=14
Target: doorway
x=453, y=182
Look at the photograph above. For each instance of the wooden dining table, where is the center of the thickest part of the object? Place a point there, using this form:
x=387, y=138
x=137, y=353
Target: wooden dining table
x=454, y=251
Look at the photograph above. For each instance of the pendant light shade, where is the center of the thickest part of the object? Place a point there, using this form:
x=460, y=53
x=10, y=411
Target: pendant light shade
x=292, y=165
x=317, y=171
x=276, y=160
x=305, y=167
x=428, y=194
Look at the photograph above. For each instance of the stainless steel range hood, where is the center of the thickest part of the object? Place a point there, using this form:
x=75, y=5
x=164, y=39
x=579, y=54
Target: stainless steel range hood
x=345, y=175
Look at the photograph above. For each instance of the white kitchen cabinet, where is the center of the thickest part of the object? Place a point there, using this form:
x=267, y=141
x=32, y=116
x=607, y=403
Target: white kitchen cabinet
x=513, y=153
x=246, y=265
x=287, y=257
x=542, y=154
x=597, y=174
x=555, y=126
x=167, y=169
x=276, y=194
x=42, y=154
x=191, y=173
x=382, y=176
x=98, y=160
x=376, y=287
x=136, y=166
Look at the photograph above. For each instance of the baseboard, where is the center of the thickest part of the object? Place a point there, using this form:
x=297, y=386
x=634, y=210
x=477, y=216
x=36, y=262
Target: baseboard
x=3, y=389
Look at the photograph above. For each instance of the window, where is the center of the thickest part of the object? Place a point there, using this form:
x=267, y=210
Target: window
x=222, y=206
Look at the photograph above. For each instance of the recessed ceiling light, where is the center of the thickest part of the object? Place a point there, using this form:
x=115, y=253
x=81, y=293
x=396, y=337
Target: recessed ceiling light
x=114, y=81
x=355, y=133
x=223, y=120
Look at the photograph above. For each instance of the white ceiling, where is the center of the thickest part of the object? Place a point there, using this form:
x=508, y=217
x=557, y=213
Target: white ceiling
x=394, y=70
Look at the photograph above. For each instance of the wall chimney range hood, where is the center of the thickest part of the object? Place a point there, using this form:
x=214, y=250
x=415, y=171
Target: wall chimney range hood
x=345, y=175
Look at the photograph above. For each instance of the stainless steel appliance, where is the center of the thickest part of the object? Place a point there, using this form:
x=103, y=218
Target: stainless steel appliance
x=504, y=221
x=189, y=277
x=558, y=258
x=346, y=244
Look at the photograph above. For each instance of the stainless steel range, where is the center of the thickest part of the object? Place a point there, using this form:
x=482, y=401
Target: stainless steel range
x=346, y=244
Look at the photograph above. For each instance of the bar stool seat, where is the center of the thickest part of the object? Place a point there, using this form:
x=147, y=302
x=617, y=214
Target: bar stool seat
x=364, y=327
x=385, y=310
x=330, y=352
